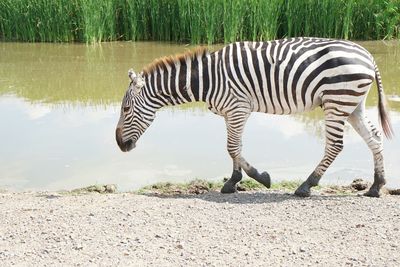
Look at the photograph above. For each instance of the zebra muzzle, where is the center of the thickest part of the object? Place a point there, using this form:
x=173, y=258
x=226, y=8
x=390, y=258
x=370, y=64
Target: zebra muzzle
x=124, y=146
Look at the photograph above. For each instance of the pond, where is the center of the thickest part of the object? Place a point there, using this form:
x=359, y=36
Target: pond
x=59, y=105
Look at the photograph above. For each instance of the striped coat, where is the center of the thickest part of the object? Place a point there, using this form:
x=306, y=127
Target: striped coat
x=277, y=77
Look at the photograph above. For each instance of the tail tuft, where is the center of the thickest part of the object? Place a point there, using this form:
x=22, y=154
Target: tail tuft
x=384, y=118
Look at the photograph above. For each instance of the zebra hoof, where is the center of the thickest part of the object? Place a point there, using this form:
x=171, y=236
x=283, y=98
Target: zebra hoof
x=265, y=179
x=372, y=192
x=228, y=188
x=303, y=190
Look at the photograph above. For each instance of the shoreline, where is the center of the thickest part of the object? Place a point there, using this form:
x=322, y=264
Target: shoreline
x=201, y=186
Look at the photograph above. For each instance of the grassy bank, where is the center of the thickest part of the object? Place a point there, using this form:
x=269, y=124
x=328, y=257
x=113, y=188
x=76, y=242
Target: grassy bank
x=196, y=21
x=202, y=186
x=199, y=186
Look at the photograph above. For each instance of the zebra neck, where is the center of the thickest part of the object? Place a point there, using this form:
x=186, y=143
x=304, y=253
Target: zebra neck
x=187, y=80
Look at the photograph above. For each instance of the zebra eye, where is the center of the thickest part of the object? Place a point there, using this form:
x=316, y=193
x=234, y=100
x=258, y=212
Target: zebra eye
x=126, y=109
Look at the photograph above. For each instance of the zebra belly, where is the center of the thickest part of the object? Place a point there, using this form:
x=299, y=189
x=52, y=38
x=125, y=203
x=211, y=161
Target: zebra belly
x=281, y=106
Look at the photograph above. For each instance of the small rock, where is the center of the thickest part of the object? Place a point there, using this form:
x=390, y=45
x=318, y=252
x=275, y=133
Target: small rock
x=78, y=247
x=53, y=196
x=394, y=191
x=198, y=187
x=111, y=188
x=359, y=184
x=99, y=188
x=240, y=188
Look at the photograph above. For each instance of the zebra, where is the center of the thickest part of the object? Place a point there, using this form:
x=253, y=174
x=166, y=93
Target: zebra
x=277, y=77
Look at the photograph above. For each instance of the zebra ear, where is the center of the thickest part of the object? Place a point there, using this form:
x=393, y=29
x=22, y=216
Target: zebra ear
x=131, y=74
x=137, y=81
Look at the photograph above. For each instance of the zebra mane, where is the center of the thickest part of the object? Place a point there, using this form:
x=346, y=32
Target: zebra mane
x=173, y=59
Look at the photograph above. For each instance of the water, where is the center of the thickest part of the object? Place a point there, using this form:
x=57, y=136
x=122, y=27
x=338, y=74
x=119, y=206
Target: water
x=59, y=105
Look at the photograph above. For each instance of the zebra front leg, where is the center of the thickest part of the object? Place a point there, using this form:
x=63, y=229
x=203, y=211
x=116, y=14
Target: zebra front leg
x=230, y=185
x=235, y=123
x=334, y=144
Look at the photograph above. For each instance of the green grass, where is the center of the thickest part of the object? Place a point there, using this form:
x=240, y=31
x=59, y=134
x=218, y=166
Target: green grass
x=196, y=21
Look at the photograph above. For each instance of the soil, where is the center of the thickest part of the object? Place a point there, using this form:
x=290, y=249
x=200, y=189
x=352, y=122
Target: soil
x=255, y=228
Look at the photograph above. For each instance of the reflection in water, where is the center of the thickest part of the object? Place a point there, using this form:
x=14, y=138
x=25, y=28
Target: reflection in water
x=59, y=104
x=74, y=73
x=97, y=74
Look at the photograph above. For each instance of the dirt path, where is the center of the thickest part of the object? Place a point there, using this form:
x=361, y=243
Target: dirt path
x=245, y=229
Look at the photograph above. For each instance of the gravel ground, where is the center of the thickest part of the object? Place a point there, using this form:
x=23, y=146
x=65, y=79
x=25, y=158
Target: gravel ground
x=271, y=228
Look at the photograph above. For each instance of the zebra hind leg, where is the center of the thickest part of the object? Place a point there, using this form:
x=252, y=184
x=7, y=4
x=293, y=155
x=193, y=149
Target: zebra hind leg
x=262, y=178
x=334, y=127
x=235, y=123
x=373, y=138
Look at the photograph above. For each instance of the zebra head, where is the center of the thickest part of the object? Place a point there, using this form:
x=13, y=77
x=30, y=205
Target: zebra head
x=135, y=115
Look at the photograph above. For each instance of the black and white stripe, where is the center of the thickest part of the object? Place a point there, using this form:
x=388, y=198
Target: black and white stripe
x=278, y=77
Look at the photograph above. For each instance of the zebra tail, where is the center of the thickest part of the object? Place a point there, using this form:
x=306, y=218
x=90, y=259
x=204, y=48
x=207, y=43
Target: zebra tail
x=384, y=118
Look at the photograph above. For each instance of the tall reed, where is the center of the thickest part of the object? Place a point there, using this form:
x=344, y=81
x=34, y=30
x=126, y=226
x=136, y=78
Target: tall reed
x=38, y=20
x=196, y=21
x=99, y=20
x=234, y=20
x=265, y=19
x=134, y=23
x=212, y=12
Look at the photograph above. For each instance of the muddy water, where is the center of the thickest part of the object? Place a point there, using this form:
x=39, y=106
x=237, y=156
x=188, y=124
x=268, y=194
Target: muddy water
x=59, y=104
